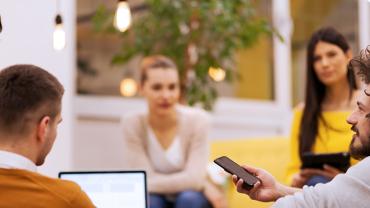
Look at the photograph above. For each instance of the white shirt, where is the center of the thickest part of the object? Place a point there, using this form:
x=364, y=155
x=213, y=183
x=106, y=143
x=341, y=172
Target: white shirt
x=9, y=160
x=165, y=161
x=351, y=189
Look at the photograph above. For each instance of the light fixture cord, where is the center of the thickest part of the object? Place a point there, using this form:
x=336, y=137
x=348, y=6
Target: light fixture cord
x=58, y=6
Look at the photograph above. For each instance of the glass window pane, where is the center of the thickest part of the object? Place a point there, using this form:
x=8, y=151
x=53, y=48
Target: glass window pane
x=255, y=65
x=309, y=16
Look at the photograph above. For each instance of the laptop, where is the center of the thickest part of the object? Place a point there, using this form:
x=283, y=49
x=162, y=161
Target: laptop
x=112, y=189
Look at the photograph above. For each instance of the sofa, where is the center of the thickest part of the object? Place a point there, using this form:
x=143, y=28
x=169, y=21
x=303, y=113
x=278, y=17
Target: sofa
x=271, y=154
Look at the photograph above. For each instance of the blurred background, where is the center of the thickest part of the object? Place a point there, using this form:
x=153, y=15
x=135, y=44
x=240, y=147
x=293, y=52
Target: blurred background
x=244, y=61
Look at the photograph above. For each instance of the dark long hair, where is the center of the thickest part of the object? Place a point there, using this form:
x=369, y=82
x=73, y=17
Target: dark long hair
x=316, y=90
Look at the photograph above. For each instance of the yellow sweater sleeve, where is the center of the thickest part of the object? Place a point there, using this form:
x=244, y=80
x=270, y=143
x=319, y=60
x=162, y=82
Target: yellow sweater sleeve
x=295, y=162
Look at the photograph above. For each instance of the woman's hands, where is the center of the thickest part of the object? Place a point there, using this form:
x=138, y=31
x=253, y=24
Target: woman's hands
x=301, y=178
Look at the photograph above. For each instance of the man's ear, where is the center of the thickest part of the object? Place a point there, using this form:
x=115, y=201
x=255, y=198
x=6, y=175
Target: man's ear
x=42, y=128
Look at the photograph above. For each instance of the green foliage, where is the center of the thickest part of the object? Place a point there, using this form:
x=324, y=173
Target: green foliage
x=214, y=29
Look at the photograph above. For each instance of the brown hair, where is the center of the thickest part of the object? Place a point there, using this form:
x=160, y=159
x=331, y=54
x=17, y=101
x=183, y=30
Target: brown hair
x=154, y=62
x=27, y=93
x=361, y=65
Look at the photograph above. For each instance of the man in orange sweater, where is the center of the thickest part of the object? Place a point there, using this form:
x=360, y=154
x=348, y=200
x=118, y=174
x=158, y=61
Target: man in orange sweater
x=30, y=111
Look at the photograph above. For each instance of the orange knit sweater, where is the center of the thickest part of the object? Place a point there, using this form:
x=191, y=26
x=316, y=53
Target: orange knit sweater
x=22, y=188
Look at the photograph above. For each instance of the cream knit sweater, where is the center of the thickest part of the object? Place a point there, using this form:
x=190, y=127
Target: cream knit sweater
x=192, y=132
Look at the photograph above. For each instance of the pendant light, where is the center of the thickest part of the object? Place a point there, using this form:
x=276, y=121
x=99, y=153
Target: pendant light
x=122, y=18
x=59, y=35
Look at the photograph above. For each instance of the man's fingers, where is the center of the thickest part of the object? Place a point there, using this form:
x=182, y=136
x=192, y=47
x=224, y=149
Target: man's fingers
x=253, y=192
x=235, y=179
x=239, y=186
x=257, y=184
x=240, y=189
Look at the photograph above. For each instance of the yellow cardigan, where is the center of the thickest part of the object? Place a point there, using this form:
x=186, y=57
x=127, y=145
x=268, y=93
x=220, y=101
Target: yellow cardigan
x=336, y=139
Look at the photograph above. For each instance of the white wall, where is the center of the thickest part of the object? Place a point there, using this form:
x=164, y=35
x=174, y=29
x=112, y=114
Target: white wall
x=231, y=118
x=364, y=23
x=27, y=38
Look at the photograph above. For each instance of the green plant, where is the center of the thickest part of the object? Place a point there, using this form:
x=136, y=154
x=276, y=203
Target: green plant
x=196, y=34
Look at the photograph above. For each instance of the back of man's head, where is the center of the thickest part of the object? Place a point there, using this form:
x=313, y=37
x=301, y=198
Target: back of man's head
x=27, y=94
x=361, y=65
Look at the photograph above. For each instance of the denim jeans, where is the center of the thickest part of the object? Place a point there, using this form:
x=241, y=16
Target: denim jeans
x=185, y=199
x=317, y=179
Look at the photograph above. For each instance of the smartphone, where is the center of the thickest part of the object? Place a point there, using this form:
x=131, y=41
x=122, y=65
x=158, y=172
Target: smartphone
x=233, y=168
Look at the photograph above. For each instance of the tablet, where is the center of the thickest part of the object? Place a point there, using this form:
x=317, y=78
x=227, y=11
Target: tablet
x=339, y=160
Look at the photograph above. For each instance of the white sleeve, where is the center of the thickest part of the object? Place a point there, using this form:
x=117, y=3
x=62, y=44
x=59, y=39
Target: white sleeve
x=345, y=190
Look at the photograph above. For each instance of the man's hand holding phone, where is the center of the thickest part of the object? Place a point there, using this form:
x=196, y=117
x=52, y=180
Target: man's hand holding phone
x=256, y=183
x=234, y=169
x=265, y=190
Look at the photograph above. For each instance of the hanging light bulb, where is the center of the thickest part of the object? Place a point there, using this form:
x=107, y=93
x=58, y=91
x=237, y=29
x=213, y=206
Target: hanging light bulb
x=217, y=74
x=128, y=87
x=122, y=19
x=59, y=36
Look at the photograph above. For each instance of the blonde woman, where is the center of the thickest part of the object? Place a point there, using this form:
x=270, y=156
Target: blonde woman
x=169, y=141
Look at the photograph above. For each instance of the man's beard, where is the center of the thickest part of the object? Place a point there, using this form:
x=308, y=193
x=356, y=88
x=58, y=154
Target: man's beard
x=363, y=150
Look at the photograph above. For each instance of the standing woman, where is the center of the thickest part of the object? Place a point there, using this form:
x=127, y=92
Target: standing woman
x=169, y=141
x=319, y=124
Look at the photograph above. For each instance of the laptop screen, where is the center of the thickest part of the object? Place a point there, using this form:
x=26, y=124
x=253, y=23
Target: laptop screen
x=112, y=189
